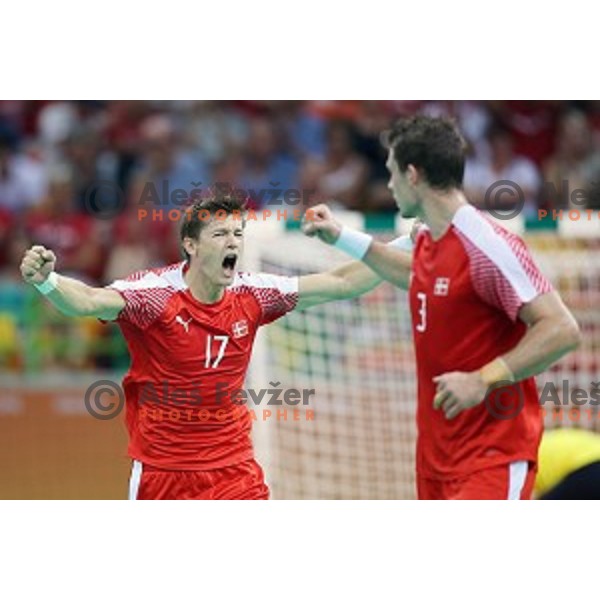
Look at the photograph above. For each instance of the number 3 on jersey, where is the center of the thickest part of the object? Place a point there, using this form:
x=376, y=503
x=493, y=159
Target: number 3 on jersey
x=422, y=324
x=209, y=342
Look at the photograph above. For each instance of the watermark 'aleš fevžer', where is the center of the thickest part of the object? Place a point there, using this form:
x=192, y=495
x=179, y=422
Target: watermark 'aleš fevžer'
x=505, y=400
x=163, y=401
x=505, y=200
x=104, y=199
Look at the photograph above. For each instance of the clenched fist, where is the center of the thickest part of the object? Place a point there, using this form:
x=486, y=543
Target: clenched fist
x=37, y=264
x=318, y=221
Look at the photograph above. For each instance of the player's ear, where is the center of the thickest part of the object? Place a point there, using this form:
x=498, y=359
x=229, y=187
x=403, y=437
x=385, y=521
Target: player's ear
x=412, y=175
x=189, y=245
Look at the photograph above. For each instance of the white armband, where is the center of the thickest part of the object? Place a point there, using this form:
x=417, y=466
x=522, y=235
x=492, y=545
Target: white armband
x=352, y=242
x=47, y=286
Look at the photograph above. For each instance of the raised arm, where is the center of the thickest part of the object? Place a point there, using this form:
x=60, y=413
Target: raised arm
x=349, y=280
x=388, y=261
x=70, y=296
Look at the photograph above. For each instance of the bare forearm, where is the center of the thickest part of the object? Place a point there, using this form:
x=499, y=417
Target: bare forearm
x=355, y=279
x=544, y=343
x=70, y=296
x=390, y=263
x=73, y=297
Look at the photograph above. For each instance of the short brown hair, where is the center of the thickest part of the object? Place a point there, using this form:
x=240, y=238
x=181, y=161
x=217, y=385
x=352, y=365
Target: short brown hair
x=213, y=202
x=433, y=145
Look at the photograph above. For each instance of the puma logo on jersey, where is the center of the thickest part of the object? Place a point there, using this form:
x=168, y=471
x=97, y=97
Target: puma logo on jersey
x=240, y=329
x=441, y=287
x=184, y=324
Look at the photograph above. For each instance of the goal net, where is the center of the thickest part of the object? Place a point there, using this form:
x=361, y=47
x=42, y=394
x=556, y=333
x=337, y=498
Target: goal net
x=358, y=357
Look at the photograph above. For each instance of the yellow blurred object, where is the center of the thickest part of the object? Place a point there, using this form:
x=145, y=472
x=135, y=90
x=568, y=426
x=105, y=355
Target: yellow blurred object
x=9, y=334
x=562, y=452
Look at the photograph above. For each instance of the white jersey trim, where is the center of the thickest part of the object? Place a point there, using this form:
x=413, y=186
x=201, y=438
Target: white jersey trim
x=517, y=474
x=172, y=278
x=286, y=285
x=481, y=233
x=135, y=479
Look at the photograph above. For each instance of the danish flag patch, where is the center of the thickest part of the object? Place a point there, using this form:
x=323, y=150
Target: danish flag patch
x=441, y=287
x=240, y=329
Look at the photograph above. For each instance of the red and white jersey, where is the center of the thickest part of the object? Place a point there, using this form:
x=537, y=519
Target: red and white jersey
x=466, y=291
x=187, y=360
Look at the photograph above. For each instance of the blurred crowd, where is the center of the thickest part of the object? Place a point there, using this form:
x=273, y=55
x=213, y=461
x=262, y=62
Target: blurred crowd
x=54, y=154
x=59, y=159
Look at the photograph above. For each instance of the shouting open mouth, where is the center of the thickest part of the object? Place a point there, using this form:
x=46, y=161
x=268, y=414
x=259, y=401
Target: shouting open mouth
x=229, y=263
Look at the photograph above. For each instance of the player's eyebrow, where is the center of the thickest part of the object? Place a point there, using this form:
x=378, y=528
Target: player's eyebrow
x=228, y=229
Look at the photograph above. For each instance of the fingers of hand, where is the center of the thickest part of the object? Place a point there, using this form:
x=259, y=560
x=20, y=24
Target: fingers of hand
x=441, y=397
x=33, y=261
x=307, y=228
x=452, y=408
x=320, y=212
x=448, y=403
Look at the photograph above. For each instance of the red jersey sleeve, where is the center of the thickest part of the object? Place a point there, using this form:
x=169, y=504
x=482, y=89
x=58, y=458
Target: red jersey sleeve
x=503, y=272
x=145, y=294
x=276, y=295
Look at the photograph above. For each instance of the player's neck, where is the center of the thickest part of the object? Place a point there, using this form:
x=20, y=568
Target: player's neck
x=202, y=289
x=439, y=209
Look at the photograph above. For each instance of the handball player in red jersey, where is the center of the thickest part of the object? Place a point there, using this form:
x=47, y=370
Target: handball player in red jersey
x=484, y=320
x=190, y=328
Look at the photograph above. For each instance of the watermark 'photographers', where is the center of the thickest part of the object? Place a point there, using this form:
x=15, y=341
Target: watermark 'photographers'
x=104, y=199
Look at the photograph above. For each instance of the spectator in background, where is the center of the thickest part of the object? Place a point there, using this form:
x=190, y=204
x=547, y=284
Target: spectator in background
x=88, y=165
x=136, y=245
x=165, y=167
x=373, y=118
x=122, y=132
x=574, y=162
x=265, y=165
x=6, y=226
x=22, y=178
x=532, y=124
x=303, y=129
x=215, y=130
x=343, y=174
x=502, y=164
x=55, y=223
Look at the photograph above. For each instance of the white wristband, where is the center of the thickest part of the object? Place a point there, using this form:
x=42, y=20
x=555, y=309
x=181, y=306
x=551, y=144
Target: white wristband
x=47, y=286
x=352, y=242
x=402, y=243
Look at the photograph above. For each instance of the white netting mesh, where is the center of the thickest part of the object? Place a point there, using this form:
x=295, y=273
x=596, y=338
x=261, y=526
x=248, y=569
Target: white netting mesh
x=357, y=355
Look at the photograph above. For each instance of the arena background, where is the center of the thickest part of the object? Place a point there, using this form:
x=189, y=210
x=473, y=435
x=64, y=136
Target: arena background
x=73, y=176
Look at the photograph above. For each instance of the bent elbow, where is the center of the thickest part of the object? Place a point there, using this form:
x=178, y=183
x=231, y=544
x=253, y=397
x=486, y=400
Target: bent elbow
x=571, y=335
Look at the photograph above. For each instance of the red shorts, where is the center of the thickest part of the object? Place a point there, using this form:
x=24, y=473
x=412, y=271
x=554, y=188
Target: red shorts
x=244, y=481
x=513, y=481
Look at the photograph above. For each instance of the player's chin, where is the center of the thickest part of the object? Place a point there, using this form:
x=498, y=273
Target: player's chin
x=227, y=276
x=407, y=212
